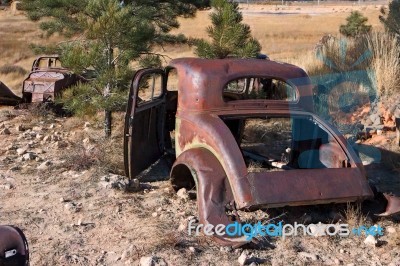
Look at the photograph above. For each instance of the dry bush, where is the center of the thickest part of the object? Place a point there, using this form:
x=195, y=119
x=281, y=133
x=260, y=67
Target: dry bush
x=385, y=62
x=354, y=216
x=79, y=158
x=7, y=69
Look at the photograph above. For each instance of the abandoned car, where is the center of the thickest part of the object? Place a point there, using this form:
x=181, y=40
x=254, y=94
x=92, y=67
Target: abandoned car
x=47, y=79
x=244, y=135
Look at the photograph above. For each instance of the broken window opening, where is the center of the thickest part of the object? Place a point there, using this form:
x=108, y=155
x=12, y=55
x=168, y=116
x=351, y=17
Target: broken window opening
x=284, y=143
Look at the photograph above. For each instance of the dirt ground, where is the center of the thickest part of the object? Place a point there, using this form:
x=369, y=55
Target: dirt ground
x=54, y=185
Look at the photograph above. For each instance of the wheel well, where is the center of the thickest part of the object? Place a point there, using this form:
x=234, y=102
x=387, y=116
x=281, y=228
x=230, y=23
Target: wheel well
x=182, y=177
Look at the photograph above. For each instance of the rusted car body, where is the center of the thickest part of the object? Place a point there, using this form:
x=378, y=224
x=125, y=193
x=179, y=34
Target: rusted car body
x=47, y=80
x=7, y=97
x=211, y=115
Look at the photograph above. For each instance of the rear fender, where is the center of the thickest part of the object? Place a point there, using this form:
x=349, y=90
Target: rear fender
x=213, y=190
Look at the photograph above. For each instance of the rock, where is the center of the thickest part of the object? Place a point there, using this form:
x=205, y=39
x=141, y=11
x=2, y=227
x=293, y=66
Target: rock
x=182, y=226
x=225, y=249
x=154, y=214
x=47, y=138
x=7, y=186
x=134, y=184
x=377, y=121
x=29, y=156
x=183, y=194
x=86, y=125
x=71, y=207
x=19, y=128
x=112, y=181
x=45, y=165
x=14, y=168
x=360, y=126
x=152, y=261
x=37, y=128
x=61, y=144
x=86, y=141
x=245, y=258
x=52, y=126
x=368, y=122
x=22, y=151
x=370, y=240
x=391, y=230
x=5, y=131
x=379, y=132
x=192, y=249
x=307, y=255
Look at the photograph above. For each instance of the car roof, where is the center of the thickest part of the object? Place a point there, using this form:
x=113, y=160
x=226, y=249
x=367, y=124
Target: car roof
x=201, y=81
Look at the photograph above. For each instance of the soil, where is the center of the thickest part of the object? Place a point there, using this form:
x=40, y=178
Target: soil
x=72, y=216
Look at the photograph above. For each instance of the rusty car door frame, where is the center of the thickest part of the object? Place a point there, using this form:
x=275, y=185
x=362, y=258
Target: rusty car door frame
x=142, y=145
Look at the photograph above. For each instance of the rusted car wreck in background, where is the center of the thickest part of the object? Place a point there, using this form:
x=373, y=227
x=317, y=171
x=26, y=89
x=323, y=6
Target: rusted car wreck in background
x=244, y=135
x=46, y=80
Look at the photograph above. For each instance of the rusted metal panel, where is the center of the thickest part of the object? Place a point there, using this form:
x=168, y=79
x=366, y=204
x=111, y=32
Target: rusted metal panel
x=202, y=81
x=308, y=187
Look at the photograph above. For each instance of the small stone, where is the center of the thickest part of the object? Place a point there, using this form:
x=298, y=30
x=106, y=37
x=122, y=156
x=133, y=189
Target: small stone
x=19, y=128
x=370, y=240
x=182, y=193
x=22, y=151
x=152, y=261
x=182, y=226
x=29, y=156
x=391, y=230
x=379, y=132
x=37, y=128
x=62, y=200
x=244, y=258
x=225, y=249
x=8, y=186
x=154, y=214
x=192, y=249
x=5, y=131
x=86, y=125
x=14, y=168
x=341, y=250
x=307, y=255
x=71, y=207
x=45, y=165
x=52, y=126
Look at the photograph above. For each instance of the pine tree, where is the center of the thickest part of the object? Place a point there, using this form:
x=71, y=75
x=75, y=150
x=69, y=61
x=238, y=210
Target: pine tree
x=391, y=20
x=355, y=26
x=229, y=36
x=104, y=37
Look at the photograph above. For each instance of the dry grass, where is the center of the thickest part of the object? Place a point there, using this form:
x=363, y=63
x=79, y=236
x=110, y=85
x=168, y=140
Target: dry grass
x=283, y=37
x=16, y=34
x=386, y=63
x=354, y=216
